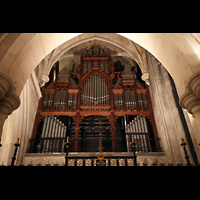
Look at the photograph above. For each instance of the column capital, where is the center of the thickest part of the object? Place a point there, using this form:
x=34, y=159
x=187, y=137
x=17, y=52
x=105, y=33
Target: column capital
x=8, y=103
x=193, y=84
x=190, y=102
x=45, y=79
x=6, y=84
x=145, y=77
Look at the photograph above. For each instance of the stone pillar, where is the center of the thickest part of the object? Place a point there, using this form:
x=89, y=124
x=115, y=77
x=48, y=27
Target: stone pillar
x=190, y=101
x=167, y=118
x=9, y=101
x=5, y=85
x=20, y=123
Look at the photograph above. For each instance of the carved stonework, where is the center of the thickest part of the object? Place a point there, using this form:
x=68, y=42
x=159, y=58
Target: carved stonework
x=145, y=77
x=8, y=100
x=60, y=161
x=45, y=79
x=9, y=103
x=6, y=85
x=190, y=102
x=194, y=84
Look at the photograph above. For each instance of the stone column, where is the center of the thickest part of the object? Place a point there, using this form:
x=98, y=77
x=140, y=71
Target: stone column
x=167, y=118
x=9, y=101
x=190, y=101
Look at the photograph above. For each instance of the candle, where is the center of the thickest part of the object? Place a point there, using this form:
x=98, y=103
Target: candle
x=132, y=139
x=18, y=141
x=67, y=138
x=182, y=140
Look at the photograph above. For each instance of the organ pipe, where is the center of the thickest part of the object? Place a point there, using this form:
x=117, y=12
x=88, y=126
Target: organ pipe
x=95, y=92
x=128, y=95
x=130, y=100
x=53, y=131
x=138, y=129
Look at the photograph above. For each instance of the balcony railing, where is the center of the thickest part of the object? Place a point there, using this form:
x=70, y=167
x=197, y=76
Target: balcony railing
x=91, y=144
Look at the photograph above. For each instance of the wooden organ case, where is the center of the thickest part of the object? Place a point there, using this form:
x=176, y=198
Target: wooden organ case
x=75, y=101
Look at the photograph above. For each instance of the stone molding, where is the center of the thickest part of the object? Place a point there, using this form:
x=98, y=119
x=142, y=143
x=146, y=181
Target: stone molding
x=145, y=77
x=194, y=84
x=6, y=85
x=190, y=102
x=9, y=103
x=60, y=161
x=45, y=79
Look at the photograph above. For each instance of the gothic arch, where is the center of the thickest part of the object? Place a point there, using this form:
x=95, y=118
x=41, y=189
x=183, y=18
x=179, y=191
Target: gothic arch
x=126, y=45
x=21, y=53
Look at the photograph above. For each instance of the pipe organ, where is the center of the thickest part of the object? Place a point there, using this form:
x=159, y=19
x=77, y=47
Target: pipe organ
x=52, y=136
x=94, y=90
x=138, y=129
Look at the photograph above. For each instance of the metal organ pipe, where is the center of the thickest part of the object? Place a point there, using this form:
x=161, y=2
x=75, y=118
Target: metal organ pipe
x=98, y=90
x=138, y=129
x=49, y=132
x=53, y=134
x=130, y=101
x=100, y=96
x=115, y=101
x=44, y=126
x=128, y=138
x=104, y=92
x=127, y=130
x=95, y=92
x=45, y=101
x=120, y=101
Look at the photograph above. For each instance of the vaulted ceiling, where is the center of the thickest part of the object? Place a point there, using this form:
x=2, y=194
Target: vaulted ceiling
x=72, y=56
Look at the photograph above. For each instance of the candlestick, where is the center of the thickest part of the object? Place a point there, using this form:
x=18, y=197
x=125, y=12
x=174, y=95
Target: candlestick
x=0, y=143
x=132, y=139
x=183, y=143
x=67, y=144
x=15, y=152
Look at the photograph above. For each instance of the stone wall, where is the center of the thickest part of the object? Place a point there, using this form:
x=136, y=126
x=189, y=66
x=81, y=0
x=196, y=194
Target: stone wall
x=168, y=122
x=20, y=123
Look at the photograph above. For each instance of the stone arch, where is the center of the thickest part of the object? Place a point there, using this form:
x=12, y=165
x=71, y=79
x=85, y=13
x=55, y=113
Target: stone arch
x=21, y=53
x=126, y=45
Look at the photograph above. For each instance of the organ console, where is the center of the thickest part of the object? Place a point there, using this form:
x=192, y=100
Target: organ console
x=95, y=89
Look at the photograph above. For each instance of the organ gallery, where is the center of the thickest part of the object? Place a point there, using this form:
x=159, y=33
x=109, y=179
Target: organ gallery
x=73, y=103
x=98, y=100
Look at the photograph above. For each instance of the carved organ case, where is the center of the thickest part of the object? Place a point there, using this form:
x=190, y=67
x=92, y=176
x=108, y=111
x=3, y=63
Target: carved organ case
x=73, y=104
